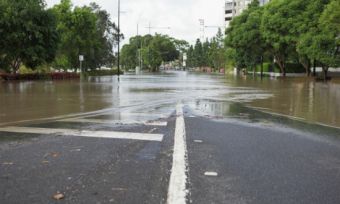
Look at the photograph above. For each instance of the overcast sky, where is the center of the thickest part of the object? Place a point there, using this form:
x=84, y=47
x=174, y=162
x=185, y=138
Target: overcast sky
x=181, y=15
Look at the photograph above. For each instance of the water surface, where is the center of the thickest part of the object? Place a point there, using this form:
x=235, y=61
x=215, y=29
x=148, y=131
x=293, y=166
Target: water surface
x=299, y=98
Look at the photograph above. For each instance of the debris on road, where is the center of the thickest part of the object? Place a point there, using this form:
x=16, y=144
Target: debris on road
x=55, y=154
x=58, y=196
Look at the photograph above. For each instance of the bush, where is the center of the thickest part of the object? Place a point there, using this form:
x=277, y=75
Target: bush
x=103, y=72
x=295, y=68
x=268, y=67
x=36, y=76
x=290, y=68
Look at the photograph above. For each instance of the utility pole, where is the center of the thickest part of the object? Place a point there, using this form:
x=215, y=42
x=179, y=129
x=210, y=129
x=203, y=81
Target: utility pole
x=118, y=57
x=202, y=29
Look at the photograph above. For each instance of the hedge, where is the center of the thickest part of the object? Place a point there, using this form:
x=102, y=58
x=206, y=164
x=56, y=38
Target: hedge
x=39, y=76
x=290, y=68
x=103, y=72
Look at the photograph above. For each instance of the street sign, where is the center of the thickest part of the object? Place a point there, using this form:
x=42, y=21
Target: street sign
x=81, y=58
x=185, y=57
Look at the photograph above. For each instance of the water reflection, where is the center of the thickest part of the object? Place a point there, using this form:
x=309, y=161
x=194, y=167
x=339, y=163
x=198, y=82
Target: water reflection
x=159, y=93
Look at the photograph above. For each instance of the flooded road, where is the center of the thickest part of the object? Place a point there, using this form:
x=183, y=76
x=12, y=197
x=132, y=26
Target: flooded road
x=136, y=140
x=214, y=95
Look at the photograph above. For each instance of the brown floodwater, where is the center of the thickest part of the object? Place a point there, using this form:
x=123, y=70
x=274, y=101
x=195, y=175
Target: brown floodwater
x=299, y=98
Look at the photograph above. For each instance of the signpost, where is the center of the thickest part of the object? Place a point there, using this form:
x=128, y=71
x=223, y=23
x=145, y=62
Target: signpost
x=185, y=58
x=81, y=59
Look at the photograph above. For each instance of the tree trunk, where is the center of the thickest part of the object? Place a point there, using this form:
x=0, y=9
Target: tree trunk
x=282, y=65
x=307, y=66
x=15, y=65
x=284, y=70
x=325, y=73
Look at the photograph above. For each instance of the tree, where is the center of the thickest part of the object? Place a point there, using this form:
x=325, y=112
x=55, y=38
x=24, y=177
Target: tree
x=86, y=31
x=305, y=18
x=130, y=53
x=161, y=49
x=216, y=52
x=107, y=35
x=245, y=38
x=28, y=34
x=154, y=51
x=191, y=59
x=322, y=43
x=276, y=23
x=198, y=54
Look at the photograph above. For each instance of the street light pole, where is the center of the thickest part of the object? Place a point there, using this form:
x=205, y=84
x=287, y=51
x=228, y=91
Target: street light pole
x=118, y=57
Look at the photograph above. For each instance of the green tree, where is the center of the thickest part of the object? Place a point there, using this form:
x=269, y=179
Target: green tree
x=322, y=43
x=28, y=34
x=276, y=23
x=130, y=53
x=153, y=50
x=245, y=39
x=198, y=54
x=86, y=31
x=107, y=35
x=191, y=59
x=216, y=51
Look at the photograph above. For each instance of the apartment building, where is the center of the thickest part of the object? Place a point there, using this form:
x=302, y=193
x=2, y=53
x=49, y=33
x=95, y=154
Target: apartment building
x=236, y=7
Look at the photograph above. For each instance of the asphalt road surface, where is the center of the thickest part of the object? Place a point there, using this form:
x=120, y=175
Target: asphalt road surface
x=181, y=158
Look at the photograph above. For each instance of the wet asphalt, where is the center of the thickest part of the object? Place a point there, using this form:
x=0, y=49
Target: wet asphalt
x=256, y=163
x=261, y=164
x=34, y=168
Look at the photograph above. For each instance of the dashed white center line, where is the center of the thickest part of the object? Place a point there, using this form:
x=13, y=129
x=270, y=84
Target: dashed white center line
x=85, y=133
x=177, y=192
x=211, y=173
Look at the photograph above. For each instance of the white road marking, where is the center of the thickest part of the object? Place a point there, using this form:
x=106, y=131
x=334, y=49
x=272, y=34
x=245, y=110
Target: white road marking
x=85, y=133
x=211, y=174
x=177, y=193
x=126, y=122
x=198, y=141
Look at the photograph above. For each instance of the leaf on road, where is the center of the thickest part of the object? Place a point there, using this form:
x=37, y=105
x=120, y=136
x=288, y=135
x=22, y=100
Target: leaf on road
x=58, y=196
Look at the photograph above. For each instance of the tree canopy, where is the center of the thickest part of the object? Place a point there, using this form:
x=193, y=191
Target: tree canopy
x=28, y=34
x=151, y=50
x=245, y=37
x=296, y=31
x=86, y=31
x=209, y=53
x=33, y=35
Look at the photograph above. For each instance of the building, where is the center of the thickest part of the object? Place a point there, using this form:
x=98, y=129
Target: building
x=263, y=2
x=236, y=7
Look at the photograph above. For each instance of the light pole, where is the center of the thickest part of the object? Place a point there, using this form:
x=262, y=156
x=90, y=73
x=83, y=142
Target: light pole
x=202, y=30
x=118, y=57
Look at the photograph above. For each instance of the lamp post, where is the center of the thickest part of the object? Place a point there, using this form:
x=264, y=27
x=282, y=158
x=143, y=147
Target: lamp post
x=118, y=57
